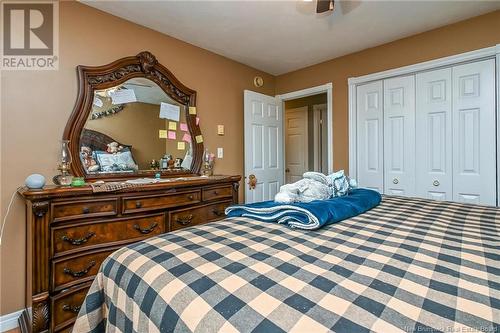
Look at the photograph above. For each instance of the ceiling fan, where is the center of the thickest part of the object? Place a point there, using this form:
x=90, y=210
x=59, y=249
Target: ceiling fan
x=323, y=6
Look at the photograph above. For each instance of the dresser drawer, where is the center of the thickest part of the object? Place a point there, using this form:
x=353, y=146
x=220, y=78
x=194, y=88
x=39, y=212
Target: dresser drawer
x=70, y=270
x=76, y=237
x=183, y=218
x=65, y=307
x=212, y=193
x=160, y=201
x=70, y=210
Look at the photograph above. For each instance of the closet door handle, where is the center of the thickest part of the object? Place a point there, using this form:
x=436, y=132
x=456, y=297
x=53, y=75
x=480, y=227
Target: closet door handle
x=395, y=181
x=436, y=183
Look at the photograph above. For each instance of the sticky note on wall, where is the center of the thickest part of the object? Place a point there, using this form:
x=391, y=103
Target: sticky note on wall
x=172, y=135
x=199, y=138
x=186, y=137
x=197, y=120
x=162, y=134
x=172, y=125
x=192, y=110
x=184, y=127
x=181, y=145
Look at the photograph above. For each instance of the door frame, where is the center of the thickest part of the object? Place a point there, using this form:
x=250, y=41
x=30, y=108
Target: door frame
x=325, y=88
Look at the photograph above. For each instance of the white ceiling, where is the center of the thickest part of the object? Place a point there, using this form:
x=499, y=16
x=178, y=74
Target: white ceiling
x=281, y=36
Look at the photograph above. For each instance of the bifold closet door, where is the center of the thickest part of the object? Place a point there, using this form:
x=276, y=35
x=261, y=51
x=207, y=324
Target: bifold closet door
x=434, y=175
x=369, y=129
x=474, y=138
x=399, y=136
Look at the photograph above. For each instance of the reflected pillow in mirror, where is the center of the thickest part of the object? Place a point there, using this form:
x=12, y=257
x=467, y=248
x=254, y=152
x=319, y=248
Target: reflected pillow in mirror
x=122, y=161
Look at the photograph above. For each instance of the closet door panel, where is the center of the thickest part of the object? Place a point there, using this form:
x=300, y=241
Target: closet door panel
x=434, y=135
x=399, y=136
x=474, y=161
x=369, y=109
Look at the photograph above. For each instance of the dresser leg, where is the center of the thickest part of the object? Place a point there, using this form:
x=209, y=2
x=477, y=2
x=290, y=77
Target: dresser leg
x=40, y=315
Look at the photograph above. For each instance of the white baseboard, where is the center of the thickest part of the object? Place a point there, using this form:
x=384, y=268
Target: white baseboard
x=9, y=321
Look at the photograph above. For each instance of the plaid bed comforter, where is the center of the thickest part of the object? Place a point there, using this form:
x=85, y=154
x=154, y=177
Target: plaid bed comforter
x=408, y=265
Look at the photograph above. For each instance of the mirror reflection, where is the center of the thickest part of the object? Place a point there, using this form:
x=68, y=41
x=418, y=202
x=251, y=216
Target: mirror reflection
x=135, y=127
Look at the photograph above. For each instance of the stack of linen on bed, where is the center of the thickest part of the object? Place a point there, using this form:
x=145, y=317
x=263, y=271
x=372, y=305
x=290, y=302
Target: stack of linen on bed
x=312, y=202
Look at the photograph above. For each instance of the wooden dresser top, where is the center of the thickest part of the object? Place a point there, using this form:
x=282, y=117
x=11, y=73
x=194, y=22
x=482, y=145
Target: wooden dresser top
x=52, y=191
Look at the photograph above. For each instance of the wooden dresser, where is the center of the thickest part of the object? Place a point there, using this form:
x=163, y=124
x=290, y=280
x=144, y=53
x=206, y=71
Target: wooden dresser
x=70, y=231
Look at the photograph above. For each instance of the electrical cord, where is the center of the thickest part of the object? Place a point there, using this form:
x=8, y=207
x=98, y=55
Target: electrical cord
x=7, y=214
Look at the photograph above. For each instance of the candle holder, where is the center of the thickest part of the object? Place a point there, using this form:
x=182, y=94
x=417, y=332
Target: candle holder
x=65, y=177
x=208, y=164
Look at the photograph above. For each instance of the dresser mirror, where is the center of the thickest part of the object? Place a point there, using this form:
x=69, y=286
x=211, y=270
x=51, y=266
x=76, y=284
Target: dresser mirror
x=132, y=119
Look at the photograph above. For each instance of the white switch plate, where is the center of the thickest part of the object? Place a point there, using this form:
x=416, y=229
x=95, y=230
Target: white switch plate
x=220, y=129
x=220, y=152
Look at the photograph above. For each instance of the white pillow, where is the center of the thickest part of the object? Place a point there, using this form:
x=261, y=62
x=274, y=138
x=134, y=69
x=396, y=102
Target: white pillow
x=122, y=161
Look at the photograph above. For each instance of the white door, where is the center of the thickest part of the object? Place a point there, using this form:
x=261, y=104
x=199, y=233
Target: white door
x=474, y=157
x=399, y=136
x=370, y=118
x=434, y=149
x=296, y=144
x=263, y=126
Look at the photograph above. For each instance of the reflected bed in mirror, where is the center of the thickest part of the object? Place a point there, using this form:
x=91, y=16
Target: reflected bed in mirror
x=135, y=127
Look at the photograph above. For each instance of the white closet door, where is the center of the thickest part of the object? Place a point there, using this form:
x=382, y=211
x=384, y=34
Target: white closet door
x=370, y=152
x=474, y=162
x=399, y=135
x=434, y=175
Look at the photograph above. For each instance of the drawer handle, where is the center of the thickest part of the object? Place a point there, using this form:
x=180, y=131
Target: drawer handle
x=138, y=204
x=78, y=241
x=185, y=220
x=69, y=308
x=395, y=181
x=218, y=212
x=190, y=197
x=436, y=183
x=81, y=273
x=145, y=230
x=86, y=210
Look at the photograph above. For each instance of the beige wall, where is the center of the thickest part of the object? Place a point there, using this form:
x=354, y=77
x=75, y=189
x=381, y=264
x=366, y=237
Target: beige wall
x=476, y=33
x=36, y=105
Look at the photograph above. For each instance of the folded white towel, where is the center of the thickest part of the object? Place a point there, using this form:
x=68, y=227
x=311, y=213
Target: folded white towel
x=316, y=186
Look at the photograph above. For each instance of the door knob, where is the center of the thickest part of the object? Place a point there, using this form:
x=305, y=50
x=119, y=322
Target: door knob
x=252, y=182
x=395, y=181
x=287, y=170
x=435, y=183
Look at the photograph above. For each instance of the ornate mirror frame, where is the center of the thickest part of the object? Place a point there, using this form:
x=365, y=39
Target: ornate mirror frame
x=143, y=65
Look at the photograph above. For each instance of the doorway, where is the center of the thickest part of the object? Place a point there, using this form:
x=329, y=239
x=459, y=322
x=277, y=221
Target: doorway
x=264, y=140
x=306, y=136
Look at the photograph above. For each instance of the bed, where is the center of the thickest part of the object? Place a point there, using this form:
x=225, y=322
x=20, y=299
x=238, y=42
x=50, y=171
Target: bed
x=95, y=156
x=408, y=265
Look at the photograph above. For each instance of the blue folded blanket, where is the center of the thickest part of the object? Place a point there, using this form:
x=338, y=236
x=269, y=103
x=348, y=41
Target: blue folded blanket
x=310, y=215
